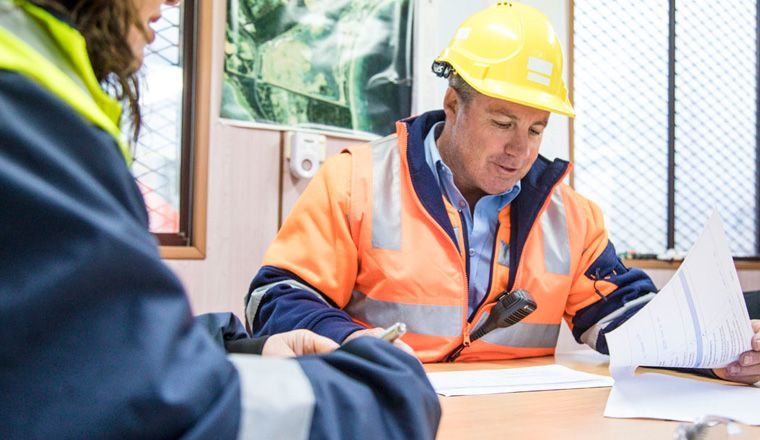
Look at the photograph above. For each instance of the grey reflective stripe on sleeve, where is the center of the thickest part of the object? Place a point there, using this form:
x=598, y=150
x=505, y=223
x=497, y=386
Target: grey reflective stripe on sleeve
x=276, y=396
x=556, y=237
x=258, y=294
x=591, y=336
x=386, y=194
x=503, y=258
x=522, y=335
x=421, y=319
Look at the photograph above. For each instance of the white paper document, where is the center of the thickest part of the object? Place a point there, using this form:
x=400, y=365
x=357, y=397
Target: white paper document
x=512, y=380
x=698, y=320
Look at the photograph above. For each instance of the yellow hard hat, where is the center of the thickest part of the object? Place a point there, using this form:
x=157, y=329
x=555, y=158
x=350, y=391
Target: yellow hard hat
x=511, y=52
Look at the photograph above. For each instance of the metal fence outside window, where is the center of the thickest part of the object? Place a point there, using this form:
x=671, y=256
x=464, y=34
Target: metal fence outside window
x=666, y=126
x=158, y=150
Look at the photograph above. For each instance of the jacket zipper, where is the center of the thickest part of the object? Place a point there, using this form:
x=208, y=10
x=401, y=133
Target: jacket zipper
x=490, y=276
x=466, y=250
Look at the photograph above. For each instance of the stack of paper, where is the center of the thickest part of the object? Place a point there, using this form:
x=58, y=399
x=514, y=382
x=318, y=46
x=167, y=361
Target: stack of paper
x=698, y=320
x=548, y=377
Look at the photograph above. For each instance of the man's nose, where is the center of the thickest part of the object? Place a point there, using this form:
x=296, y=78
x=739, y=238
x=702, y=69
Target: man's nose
x=517, y=145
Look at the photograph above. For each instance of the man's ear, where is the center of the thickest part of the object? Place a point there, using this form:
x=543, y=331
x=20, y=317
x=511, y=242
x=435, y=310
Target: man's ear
x=451, y=103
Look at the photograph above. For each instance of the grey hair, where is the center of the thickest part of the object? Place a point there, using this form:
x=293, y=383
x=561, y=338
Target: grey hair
x=465, y=91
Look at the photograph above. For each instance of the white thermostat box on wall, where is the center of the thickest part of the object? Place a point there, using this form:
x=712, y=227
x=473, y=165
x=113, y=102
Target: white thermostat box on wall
x=305, y=152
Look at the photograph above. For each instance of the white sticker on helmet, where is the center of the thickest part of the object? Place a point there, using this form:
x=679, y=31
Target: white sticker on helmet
x=538, y=78
x=539, y=71
x=540, y=66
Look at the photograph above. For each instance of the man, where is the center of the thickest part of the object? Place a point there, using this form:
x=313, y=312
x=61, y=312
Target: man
x=431, y=225
x=97, y=336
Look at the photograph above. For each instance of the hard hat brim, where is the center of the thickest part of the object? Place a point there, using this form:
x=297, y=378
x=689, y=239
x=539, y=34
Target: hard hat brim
x=529, y=97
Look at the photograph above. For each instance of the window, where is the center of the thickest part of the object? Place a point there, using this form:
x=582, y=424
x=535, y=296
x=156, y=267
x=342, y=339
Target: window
x=164, y=152
x=666, y=126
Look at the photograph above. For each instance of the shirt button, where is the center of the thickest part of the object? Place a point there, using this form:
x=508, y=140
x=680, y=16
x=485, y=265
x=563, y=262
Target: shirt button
x=472, y=252
x=462, y=204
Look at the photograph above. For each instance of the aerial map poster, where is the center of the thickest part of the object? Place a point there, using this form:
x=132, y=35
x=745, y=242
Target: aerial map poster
x=334, y=65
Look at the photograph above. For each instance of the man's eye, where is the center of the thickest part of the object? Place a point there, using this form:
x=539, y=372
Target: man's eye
x=535, y=132
x=503, y=124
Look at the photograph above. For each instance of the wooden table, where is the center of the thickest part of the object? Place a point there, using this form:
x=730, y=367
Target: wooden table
x=562, y=414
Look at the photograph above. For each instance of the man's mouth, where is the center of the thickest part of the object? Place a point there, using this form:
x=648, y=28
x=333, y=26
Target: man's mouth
x=506, y=168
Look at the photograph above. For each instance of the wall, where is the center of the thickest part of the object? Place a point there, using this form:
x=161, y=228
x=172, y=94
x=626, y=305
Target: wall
x=245, y=177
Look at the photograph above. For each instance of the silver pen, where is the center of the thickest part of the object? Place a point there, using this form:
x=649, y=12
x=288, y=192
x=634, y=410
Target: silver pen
x=394, y=332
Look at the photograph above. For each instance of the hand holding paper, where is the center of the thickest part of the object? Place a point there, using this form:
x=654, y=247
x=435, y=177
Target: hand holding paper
x=746, y=369
x=698, y=320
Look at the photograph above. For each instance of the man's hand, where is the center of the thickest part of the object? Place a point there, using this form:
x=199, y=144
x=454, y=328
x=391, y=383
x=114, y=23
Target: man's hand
x=377, y=332
x=746, y=369
x=297, y=343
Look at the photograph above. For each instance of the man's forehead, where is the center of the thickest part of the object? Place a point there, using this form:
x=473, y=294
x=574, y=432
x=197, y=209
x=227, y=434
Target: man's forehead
x=520, y=113
x=513, y=110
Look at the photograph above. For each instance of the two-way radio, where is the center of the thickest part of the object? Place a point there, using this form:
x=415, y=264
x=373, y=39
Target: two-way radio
x=510, y=308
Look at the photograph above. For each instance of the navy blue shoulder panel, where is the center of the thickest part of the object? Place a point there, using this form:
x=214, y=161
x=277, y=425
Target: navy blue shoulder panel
x=423, y=180
x=98, y=338
x=536, y=187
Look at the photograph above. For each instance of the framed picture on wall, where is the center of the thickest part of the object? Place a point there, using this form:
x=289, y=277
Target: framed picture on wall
x=341, y=66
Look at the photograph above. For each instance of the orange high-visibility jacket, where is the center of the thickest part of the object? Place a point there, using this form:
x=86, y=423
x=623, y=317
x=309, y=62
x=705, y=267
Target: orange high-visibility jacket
x=373, y=237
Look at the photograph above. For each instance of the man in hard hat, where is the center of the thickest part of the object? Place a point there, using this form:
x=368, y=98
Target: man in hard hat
x=430, y=225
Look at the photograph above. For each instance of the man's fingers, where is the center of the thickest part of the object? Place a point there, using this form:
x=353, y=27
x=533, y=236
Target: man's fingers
x=320, y=344
x=278, y=345
x=376, y=332
x=756, y=326
x=738, y=372
x=756, y=336
x=749, y=358
x=749, y=380
x=403, y=345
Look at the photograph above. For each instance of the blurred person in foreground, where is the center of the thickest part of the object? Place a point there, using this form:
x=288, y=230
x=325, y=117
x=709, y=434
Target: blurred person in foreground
x=98, y=339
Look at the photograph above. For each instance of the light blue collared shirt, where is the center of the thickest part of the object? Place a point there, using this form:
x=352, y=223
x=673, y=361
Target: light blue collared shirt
x=480, y=229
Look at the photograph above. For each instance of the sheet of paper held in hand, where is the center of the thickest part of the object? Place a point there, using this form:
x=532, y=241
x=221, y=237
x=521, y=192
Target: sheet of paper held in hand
x=512, y=380
x=698, y=320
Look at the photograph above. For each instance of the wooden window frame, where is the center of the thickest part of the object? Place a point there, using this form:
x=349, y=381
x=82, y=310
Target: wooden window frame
x=190, y=242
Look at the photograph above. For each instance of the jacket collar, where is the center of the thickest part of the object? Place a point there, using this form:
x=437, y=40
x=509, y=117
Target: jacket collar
x=423, y=180
x=537, y=186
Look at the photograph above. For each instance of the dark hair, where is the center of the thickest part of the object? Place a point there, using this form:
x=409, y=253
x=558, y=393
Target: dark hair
x=465, y=91
x=105, y=27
